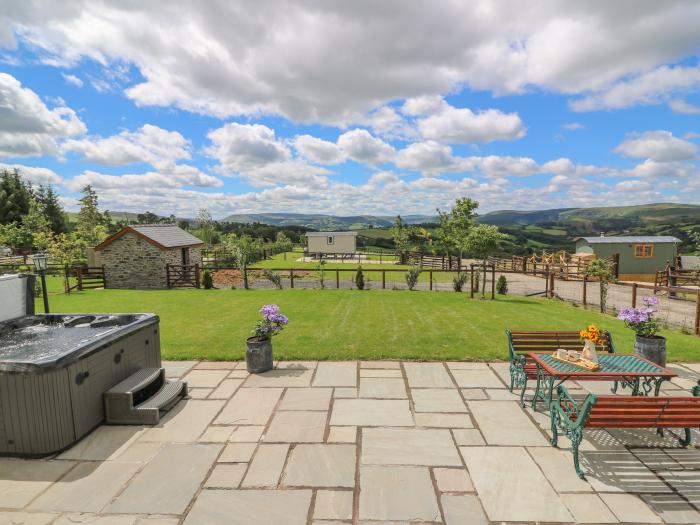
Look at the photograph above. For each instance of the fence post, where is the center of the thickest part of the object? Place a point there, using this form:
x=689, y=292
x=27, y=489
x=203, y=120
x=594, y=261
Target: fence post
x=697, y=314
x=196, y=275
x=383, y=279
x=634, y=295
x=493, y=282
x=337, y=278
x=471, y=283
x=104, y=278
x=79, y=274
x=291, y=277
x=551, y=285
x=167, y=275
x=66, y=279
x=430, y=275
x=585, y=281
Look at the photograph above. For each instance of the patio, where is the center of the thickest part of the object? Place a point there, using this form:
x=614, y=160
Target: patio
x=356, y=442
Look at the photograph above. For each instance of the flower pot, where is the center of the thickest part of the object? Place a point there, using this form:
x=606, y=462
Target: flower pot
x=258, y=355
x=651, y=348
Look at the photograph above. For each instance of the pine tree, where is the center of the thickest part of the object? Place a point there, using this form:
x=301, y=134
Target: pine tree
x=15, y=195
x=92, y=224
x=53, y=211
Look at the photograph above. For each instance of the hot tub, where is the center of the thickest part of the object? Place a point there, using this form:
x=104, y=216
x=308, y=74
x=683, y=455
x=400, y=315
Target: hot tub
x=54, y=370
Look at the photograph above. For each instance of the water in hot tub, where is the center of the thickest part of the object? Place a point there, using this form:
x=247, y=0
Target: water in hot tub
x=38, y=342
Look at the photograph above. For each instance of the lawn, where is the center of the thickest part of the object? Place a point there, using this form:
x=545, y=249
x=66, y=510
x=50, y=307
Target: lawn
x=351, y=324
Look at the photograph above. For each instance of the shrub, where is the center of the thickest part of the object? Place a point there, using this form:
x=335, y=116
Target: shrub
x=273, y=277
x=458, y=281
x=360, y=279
x=502, y=285
x=412, y=277
x=207, y=280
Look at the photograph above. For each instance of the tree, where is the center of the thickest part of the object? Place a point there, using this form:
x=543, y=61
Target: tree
x=603, y=270
x=205, y=223
x=148, y=218
x=241, y=248
x=52, y=209
x=456, y=225
x=66, y=250
x=482, y=241
x=92, y=224
x=15, y=195
x=36, y=226
x=401, y=235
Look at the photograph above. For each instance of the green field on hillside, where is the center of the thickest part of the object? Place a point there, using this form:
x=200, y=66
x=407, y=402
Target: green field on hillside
x=350, y=324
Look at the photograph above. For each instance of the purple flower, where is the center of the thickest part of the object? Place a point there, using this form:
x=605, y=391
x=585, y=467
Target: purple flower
x=272, y=321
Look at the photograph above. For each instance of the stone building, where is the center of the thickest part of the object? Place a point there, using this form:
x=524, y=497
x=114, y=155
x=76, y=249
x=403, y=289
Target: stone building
x=136, y=256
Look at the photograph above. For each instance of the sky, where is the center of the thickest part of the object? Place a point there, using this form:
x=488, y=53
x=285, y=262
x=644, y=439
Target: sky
x=362, y=107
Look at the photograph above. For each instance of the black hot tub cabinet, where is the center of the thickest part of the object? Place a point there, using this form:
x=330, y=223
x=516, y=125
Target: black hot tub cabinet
x=54, y=370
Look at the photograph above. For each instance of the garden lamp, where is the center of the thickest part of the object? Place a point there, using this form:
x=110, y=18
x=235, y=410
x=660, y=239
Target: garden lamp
x=40, y=263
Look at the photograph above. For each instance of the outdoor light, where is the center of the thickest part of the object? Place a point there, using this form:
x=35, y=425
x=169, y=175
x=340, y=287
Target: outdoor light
x=40, y=263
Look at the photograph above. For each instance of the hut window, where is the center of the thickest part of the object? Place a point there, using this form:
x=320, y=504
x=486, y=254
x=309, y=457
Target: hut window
x=331, y=239
x=643, y=250
x=185, y=256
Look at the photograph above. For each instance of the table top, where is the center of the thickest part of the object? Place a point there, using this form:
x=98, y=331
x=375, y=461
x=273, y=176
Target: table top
x=611, y=366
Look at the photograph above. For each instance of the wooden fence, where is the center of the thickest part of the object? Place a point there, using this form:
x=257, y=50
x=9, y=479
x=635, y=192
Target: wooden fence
x=435, y=262
x=672, y=276
x=183, y=276
x=86, y=278
x=560, y=268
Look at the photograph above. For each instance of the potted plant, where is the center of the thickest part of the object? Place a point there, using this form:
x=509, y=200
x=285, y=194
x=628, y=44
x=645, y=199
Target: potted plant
x=591, y=336
x=648, y=344
x=258, y=355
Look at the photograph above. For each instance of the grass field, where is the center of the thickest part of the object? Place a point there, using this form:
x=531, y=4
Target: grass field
x=348, y=324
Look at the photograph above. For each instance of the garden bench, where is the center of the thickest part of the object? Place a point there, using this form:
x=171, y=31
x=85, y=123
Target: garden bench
x=522, y=367
x=570, y=418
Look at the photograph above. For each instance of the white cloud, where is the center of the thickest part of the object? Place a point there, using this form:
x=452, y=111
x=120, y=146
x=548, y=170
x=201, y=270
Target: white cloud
x=34, y=174
x=665, y=170
x=659, y=146
x=428, y=157
x=648, y=88
x=330, y=62
x=27, y=126
x=681, y=106
x=173, y=177
x=240, y=147
x=360, y=146
x=461, y=125
x=72, y=80
x=318, y=150
x=424, y=105
x=573, y=126
x=149, y=144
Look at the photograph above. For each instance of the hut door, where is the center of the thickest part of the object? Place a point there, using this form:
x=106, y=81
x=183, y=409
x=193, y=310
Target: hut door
x=185, y=256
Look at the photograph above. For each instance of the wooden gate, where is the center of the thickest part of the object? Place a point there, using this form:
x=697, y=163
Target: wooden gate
x=182, y=276
x=87, y=277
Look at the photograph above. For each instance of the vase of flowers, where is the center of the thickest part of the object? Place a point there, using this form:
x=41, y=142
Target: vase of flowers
x=258, y=355
x=592, y=336
x=648, y=343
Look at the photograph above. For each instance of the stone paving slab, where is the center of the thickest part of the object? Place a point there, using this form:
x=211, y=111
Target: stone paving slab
x=397, y=493
x=164, y=486
x=511, y=486
x=428, y=442
x=250, y=507
x=398, y=446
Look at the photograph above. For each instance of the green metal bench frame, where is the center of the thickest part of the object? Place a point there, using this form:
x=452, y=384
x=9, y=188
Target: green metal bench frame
x=570, y=418
x=519, y=373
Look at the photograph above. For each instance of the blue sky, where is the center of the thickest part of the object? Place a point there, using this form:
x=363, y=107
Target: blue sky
x=349, y=108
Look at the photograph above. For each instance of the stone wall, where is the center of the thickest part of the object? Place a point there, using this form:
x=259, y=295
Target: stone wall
x=132, y=262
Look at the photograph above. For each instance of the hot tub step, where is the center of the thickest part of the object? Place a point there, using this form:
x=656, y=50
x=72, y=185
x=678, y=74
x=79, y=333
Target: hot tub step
x=142, y=397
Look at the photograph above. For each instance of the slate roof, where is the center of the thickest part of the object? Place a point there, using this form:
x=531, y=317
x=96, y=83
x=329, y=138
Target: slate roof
x=643, y=239
x=164, y=236
x=324, y=234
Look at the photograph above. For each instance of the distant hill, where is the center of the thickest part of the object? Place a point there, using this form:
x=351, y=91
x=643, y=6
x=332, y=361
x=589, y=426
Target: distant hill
x=325, y=222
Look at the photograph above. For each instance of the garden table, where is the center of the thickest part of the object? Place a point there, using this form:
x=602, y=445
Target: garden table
x=632, y=371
